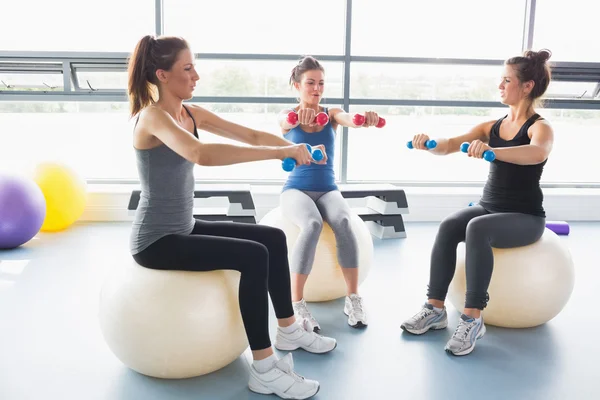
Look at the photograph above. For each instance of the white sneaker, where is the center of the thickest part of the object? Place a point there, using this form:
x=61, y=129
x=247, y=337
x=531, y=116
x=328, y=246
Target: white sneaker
x=302, y=312
x=283, y=381
x=304, y=338
x=353, y=308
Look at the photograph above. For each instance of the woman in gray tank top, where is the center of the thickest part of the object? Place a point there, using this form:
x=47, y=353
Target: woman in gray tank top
x=165, y=234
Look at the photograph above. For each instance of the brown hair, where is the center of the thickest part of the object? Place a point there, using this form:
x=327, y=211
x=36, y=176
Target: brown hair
x=533, y=66
x=306, y=63
x=150, y=54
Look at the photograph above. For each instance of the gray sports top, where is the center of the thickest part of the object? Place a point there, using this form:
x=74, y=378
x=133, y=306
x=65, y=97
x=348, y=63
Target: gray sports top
x=167, y=196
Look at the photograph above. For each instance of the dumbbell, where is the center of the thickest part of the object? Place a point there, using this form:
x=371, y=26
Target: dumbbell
x=360, y=119
x=488, y=155
x=288, y=164
x=430, y=144
x=320, y=119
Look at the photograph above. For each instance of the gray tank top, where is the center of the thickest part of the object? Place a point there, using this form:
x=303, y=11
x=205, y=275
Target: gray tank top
x=167, y=196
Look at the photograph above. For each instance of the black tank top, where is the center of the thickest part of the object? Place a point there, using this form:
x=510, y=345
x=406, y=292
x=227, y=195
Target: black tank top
x=511, y=187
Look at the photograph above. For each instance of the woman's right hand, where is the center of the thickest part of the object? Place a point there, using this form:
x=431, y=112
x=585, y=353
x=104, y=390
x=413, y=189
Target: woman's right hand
x=419, y=141
x=298, y=152
x=306, y=116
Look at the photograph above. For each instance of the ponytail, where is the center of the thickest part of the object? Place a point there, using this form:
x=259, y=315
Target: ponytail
x=150, y=55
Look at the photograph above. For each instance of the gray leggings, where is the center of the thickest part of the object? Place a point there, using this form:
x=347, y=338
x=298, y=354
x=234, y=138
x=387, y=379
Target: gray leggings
x=480, y=230
x=307, y=210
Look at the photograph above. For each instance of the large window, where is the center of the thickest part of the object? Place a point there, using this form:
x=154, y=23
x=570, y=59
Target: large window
x=259, y=26
x=430, y=66
x=568, y=29
x=73, y=25
x=438, y=28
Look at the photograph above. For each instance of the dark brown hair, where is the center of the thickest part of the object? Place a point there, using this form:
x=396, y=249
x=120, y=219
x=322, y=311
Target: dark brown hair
x=533, y=66
x=306, y=63
x=150, y=54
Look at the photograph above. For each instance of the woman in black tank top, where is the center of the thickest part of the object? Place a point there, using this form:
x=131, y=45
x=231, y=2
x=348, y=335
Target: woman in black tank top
x=510, y=212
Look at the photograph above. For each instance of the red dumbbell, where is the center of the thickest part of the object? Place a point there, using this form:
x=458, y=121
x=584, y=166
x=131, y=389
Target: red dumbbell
x=320, y=119
x=359, y=120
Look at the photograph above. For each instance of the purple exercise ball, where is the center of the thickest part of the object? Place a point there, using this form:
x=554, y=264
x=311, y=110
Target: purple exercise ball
x=22, y=210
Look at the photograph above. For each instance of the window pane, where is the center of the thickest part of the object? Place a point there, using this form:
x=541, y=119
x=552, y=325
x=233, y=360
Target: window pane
x=64, y=25
x=29, y=81
x=259, y=26
x=257, y=116
x=102, y=79
x=258, y=78
x=423, y=81
x=438, y=28
x=569, y=30
x=382, y=155
x=95, y=139
x=570, y=90
x=576, y=140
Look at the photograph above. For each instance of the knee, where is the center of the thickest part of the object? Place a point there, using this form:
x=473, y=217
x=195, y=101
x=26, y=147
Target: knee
x=451, y=227
x=342, y=223
x=278, y=238
x=256, y=261
x=476, y=228
x=313, y=226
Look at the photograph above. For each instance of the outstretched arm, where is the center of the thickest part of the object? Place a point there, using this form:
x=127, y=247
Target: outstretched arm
x=452, y=145
x=212, y=123
x=160, y=124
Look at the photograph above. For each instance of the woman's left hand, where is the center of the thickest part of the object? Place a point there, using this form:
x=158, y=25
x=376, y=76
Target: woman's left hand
x=322, y=148
x=477, y=148
x=371, y=119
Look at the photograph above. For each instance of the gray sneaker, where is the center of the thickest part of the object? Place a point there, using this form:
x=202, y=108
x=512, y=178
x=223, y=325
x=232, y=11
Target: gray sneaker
x=466, y=334
x=425, y=320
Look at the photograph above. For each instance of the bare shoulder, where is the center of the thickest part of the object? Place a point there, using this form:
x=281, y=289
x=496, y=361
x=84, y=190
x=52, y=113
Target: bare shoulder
x=541, y=128
x=199, y=113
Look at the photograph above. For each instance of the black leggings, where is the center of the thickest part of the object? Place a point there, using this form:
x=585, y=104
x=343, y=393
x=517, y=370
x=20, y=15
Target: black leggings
x=258, y=252
x=480, y=230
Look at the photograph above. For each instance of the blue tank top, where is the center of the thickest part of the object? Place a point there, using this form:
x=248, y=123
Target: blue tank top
x=313, y=177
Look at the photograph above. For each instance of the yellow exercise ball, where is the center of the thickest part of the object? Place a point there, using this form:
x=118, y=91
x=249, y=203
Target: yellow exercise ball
x=326, y=280
x=172, y=324
x=65, y=193
x=530, y=284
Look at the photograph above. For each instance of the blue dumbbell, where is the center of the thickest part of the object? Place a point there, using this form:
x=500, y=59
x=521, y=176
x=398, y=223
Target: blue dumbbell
x=430, y=144
x=488, y=155
x=289, y=164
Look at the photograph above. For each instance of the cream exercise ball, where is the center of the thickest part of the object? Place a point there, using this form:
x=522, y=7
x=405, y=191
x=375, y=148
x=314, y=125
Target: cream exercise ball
x=530, y=285
x=172, y=324
x=326, y=280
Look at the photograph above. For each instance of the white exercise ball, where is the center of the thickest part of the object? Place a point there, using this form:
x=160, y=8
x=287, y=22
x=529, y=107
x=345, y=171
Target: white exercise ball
x=530, y=284
x=172, y=324
x=326, y=280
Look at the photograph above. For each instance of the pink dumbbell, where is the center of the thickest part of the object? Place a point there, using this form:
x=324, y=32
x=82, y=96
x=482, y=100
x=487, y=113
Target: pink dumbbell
x=359, y=120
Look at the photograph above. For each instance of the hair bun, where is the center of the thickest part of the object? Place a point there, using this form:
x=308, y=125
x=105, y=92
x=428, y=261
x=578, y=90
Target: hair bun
x=540, y=56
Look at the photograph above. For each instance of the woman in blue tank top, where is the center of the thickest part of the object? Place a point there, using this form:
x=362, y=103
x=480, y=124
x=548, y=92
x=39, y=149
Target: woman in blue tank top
x=311, y=196
x=510, y=212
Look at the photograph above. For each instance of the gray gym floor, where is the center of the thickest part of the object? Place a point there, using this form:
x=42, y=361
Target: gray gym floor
x=52, y=347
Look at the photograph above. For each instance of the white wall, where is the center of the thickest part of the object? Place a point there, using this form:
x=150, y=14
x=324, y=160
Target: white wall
x=109, y=202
